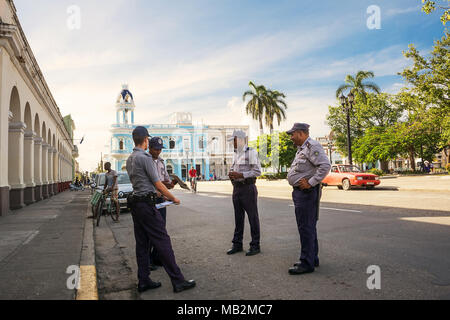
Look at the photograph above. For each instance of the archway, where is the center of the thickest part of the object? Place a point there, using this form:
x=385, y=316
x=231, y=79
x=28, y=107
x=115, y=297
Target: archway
x=15, y=152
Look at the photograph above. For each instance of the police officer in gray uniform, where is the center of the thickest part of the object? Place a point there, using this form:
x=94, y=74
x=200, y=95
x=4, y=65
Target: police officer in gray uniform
x=149, y=226
x=244, y=171
x=155, y=147
x=310, y=166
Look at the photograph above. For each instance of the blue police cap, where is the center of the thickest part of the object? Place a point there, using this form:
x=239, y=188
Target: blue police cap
x=140, y=132
x=156, y=143
x=298, y=126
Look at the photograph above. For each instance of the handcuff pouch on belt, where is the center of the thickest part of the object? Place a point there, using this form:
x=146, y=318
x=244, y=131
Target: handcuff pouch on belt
x=246, y=181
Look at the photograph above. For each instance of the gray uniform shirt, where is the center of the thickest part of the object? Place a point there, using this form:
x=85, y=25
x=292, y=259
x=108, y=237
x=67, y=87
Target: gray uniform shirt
x=162, y=171
x=247, y=163
x=310, y=163
x=142, y=171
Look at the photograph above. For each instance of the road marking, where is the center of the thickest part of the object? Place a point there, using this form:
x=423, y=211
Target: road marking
x=444, y=221
x=88, y=284
x=30, y=237
x=335, y=209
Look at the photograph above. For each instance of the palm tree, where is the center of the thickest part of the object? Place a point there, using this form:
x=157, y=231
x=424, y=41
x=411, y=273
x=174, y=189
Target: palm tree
x=258, y=103
x=357, y=84
x=276, y=108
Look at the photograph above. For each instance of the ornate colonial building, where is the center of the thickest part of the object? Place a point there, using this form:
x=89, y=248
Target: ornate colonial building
x=204, y=147
x=36, y=148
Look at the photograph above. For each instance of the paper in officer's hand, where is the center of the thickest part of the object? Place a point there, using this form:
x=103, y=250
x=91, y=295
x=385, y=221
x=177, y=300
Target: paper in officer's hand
x=163, y=205
x=180, y=182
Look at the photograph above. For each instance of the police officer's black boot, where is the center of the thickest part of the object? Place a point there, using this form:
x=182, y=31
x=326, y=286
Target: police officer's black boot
x=149, y=285
x=253, y=251
x=186, y=285
x=316, y=264
x=235, y=249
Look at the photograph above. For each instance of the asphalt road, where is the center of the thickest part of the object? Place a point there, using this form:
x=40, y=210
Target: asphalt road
x=413, y=255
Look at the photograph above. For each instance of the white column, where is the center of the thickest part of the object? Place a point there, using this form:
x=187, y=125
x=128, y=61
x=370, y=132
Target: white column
x=15, y=155
x=44, y=163
x=38, y=161
x=28, y=170
x=50, y=165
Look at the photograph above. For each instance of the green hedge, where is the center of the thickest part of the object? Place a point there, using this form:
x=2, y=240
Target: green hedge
x=273, y=176
x=376, y=171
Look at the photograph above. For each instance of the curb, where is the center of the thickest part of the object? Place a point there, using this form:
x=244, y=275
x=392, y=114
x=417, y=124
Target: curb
x=88, y=273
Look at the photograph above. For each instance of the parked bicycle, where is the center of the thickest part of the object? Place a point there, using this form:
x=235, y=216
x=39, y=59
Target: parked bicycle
x=98, y=202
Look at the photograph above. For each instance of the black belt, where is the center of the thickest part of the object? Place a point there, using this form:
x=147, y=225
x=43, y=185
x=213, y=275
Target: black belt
x=307, y=190
x=247, y=181
x=150, y=198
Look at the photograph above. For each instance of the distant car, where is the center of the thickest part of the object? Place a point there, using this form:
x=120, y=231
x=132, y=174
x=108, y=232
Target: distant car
x=346, y=176
x=125, y=187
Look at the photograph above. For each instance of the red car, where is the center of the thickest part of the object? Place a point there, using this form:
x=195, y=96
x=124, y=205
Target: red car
x=346, y=176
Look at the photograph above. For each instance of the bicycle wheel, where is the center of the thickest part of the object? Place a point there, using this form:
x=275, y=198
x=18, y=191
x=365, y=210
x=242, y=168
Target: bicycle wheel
x=112, y=211
x=99, y=210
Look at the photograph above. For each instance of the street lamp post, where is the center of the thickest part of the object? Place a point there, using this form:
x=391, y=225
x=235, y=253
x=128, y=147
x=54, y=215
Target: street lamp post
x=330, y=149
x=347, y=104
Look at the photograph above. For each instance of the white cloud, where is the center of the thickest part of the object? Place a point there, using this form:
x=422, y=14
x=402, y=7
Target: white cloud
x=397, y=11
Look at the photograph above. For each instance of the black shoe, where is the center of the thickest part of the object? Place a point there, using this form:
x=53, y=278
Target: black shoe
x=300, y=269
x=253, y=251
x=316, y=264
x=235, y=250
x=153, y=267
x=186, y=285
x=148, y=286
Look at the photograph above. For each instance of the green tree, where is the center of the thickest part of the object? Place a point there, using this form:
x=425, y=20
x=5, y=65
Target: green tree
x=258, y=103
x=420, y=132
x=275, y=108
x=429, y=6
x=284, y=151
x=376, y=144
x=428, y=80
x=358, y=84
x=377, y=110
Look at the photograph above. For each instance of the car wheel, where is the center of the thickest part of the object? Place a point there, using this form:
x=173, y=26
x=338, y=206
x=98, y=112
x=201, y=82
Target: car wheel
x=346, y=184
x=339, y=187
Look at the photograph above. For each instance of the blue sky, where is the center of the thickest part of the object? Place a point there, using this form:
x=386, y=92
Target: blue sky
x=199, y=56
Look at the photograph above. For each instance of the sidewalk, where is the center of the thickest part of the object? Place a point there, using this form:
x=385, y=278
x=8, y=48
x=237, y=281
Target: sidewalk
x=37, y=245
